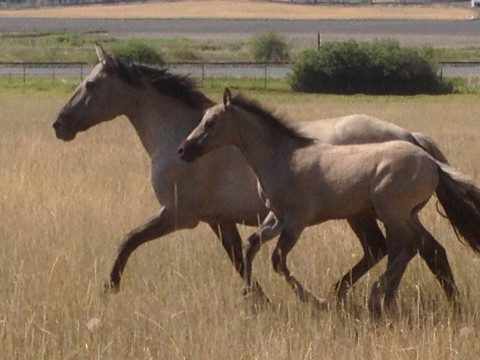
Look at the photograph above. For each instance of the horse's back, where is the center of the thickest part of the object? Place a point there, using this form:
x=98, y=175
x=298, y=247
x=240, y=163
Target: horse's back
x=354, y=129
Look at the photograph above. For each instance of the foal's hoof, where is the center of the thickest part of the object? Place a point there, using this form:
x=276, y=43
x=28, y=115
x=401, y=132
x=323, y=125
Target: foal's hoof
x=256, y=298
x=111, y=288
x=319, y=303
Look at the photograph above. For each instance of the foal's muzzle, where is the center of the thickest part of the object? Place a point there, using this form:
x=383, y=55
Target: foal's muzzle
x=188, y=151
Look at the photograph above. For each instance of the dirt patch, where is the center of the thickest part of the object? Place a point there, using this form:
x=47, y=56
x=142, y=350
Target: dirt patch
x=246, y=10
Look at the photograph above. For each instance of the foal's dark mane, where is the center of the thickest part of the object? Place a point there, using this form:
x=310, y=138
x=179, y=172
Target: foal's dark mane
x=281, y=125
x=179, y=87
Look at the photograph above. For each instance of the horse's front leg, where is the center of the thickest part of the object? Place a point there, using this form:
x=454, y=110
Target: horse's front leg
x=269, y=228
x=161, y=224
x=232, y=243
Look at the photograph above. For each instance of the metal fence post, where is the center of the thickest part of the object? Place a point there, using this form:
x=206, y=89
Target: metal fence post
x=265, y=84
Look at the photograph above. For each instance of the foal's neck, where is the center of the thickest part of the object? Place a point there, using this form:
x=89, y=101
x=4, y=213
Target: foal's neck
x=264, y=146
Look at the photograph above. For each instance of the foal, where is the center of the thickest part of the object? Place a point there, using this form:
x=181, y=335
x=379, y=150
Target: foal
x=305, y=182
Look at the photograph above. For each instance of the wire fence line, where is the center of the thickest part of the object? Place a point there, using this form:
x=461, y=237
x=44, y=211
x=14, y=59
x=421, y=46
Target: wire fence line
x=198, y=69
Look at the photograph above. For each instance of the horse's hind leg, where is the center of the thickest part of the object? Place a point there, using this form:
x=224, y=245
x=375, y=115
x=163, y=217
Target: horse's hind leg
x=374, y=249
x=232, y=243
x=435, y=256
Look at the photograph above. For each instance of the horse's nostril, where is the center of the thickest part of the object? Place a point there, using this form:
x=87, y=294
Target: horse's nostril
x=56, y=124
x=181, y=150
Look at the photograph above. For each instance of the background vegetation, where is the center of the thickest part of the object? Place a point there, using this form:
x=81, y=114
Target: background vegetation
x=270, y=47
x=138, y=51
x=348, y=63
x=378, y=67
x=74, y=46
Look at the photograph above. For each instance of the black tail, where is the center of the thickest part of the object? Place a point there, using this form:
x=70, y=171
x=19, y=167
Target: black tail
x=460, y=199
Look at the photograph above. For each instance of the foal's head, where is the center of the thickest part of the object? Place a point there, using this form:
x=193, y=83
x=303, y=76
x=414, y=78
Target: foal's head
x=220, y=127
x=212, y=132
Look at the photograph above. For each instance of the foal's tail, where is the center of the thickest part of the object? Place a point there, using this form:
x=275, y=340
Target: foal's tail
x=429, y=145
x=460, y=199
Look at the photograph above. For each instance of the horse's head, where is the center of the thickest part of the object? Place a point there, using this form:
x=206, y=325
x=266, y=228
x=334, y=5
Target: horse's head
x=98, y=98
x=211, y=133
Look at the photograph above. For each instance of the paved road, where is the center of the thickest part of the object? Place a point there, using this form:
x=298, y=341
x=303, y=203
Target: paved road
x=408, y=32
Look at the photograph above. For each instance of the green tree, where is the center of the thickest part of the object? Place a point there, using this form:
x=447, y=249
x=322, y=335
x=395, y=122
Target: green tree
x=269, y=46
x=379, y=67
x=136, y=50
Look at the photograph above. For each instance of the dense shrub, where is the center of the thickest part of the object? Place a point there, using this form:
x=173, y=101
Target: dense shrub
x=138, y=51
x=269, y=46
x=379, y=67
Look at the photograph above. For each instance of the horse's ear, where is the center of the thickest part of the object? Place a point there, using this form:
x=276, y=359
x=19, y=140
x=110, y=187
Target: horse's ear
x=227, y=97
x=103, y=57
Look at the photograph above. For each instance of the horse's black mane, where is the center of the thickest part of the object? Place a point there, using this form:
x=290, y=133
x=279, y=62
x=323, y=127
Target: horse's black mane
x=281, y=125
x=179, y=87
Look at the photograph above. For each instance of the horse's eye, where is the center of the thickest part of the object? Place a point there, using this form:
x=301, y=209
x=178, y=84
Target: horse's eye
x=90, y=85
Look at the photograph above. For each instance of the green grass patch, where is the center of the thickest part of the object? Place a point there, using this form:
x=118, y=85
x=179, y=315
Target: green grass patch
x=78, y=46
x=74, y=46
x=38, y=85
x=212, y=86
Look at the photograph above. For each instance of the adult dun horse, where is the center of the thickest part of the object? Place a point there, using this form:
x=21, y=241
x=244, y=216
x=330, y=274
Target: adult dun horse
x=220, y=189
x=304, y=181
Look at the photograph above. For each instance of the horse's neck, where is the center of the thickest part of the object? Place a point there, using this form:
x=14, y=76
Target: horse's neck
x=161, y=122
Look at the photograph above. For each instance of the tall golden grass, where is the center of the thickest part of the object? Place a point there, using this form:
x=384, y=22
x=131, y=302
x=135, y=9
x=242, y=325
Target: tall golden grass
x=65, y=207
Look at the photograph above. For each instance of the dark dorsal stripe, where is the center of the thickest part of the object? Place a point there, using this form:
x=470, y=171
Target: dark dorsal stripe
x=179, y=87
x=280, y=125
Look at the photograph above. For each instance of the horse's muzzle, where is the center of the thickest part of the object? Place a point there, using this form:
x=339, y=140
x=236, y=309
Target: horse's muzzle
x=61, y=131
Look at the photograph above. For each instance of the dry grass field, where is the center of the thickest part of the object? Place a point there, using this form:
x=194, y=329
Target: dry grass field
x=65, y=207
x=244, y=9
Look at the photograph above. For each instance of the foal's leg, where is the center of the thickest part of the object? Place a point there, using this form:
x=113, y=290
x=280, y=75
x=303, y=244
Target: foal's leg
x=400, y=252
x=232, y=243
x=270, y=227
x=163, y=223
x=374, y=249
x=286, y=242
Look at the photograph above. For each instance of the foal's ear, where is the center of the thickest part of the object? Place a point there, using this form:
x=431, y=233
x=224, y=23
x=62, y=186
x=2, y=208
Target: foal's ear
x=227, y=97
x=103, y=57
